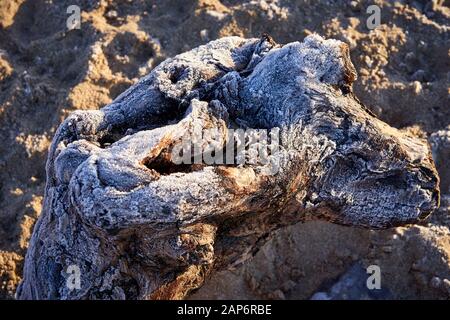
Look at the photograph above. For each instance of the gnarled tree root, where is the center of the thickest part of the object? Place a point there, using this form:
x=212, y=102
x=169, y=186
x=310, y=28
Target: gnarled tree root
x=136, y=224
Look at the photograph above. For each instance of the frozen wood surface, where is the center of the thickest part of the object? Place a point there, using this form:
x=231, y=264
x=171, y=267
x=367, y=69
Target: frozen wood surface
x=140, y=226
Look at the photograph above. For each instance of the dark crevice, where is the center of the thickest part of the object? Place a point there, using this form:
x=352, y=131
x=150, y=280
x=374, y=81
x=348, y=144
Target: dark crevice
x=176, y=74
x=163, y=165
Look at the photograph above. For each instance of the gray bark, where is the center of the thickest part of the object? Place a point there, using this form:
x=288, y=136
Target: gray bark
x=140, y=226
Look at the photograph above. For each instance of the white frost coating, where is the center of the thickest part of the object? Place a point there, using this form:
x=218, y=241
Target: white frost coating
x=139, y=225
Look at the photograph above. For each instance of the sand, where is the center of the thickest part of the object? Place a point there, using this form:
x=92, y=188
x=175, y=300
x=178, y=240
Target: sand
x=47, y=71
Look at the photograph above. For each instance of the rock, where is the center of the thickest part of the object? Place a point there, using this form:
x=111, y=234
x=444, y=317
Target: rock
x=446, y=283
x=417, y=87
x=435, y=282
x=204, y=35
x=112, y=14
x=136, y=223
x=419, y=75
x=355, y=6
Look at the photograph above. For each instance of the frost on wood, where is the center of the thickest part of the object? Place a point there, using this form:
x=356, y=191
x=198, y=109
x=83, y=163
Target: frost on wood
x=139, y=226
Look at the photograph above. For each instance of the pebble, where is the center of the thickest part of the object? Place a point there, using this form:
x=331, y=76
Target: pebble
x=355, y=6
x=422, y=45
x=368, y=61
x=435, y=282
x=363, y=72
x=447, y=285
x=112, y=14
x=204, y=35
x=377, y=110
x=417, y=87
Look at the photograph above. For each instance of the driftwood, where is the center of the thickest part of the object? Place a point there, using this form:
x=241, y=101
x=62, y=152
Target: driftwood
x=139, y=225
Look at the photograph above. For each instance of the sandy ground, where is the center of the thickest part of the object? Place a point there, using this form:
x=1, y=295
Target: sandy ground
x=47, y=71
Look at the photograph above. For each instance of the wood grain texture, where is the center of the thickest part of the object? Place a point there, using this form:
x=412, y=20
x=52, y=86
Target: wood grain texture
x=140, y=226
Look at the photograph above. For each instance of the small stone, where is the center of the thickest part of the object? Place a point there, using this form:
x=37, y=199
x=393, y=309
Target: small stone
x=112, y=14
x=377, y=110
x=368, y=61
x=417, y=87
x=355, y=6
x=422, y=45
x=363, y=72
x=204, y=35
x=435, y=282
x=447, y=285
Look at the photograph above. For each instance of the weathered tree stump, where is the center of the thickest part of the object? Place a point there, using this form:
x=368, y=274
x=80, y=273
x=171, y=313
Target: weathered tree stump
x=138, y=225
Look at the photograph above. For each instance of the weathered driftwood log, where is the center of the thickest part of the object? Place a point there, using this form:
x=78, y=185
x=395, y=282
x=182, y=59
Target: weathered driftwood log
x=140, y=225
